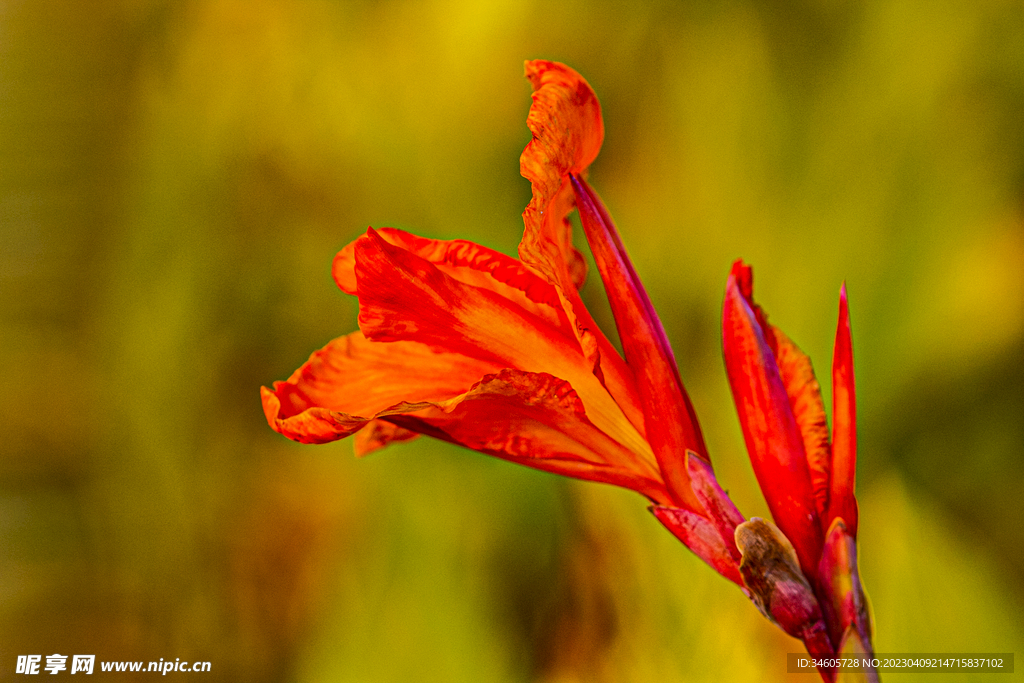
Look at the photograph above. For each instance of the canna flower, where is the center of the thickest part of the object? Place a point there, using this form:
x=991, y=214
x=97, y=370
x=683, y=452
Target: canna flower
x=465, y=344
x=497, y=354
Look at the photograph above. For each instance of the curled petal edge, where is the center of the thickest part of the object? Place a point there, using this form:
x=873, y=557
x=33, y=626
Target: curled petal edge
x=533, y=419
x=353, y=376
x=565, y=120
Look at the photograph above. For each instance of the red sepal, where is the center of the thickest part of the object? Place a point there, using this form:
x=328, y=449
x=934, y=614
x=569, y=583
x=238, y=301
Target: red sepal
x=670, y=419
x=842, y=502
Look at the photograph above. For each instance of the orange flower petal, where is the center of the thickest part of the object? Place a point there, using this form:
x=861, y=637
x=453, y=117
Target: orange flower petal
x=476, y=265
x=842, y=502
x=377, y=434
x=565, y=120
x=536, y=420
x=770, y=430
x=351, y=380
x=403, y=296
x=566, y=123
x=469, y=263
x=804, y=394
x=396, y=390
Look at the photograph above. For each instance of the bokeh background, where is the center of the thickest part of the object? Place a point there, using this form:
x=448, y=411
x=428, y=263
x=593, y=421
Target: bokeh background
x=175, y=177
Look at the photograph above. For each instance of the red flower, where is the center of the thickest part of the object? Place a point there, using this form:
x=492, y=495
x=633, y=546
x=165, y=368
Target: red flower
x=807, y=480
x=500, y=355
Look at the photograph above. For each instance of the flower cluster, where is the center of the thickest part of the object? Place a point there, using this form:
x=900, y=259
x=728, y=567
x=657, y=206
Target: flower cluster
x=497, y=354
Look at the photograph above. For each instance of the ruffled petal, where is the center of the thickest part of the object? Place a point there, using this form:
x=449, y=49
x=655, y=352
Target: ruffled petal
x=476, y=265
x=403, y=296
x=565, y=120
x=396, y=390
x=770, y=430
x=536, y=420
x=672, y=427
x=842, y=502
x=469, y=263
x=351, y=380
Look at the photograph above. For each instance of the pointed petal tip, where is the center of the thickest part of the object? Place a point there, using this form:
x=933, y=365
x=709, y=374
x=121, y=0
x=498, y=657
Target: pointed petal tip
x=844, y=308
x=741, y=276
x=842, y=502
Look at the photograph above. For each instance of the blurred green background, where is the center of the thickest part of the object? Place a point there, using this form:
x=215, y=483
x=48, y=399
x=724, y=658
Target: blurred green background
x=175, y=178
